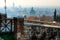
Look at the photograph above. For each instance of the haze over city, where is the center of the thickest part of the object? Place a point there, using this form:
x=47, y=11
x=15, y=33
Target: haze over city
x=29, y=3
x=22, y=7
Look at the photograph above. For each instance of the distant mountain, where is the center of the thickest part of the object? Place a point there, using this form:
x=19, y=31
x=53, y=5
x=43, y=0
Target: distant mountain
x=19, y=11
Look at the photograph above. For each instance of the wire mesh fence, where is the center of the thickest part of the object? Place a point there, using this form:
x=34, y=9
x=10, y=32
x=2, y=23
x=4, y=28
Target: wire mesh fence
x=40, y=33
x=29, y=32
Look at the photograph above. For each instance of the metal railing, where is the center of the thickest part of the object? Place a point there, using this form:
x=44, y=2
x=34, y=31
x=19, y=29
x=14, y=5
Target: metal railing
x=31, y=31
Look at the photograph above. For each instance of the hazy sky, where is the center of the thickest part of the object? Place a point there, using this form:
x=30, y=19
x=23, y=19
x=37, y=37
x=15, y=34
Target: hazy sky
x=29, y=3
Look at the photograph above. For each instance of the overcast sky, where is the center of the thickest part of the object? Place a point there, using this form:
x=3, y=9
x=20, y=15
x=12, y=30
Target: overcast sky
x=29, y=3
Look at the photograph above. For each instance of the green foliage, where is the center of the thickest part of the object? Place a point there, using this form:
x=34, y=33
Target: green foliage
x=8, y=37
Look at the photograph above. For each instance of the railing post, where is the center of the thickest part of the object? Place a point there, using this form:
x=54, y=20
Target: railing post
x=15, y=27
x=18, y=27
x=0, y=22
x=11, y=25
x=21, y=24
x=5, y=16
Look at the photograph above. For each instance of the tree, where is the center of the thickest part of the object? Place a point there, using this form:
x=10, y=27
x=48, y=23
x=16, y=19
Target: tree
x=55, y=15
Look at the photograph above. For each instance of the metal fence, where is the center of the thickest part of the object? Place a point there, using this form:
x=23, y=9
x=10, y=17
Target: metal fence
x=24, y=31
x=40, y=33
